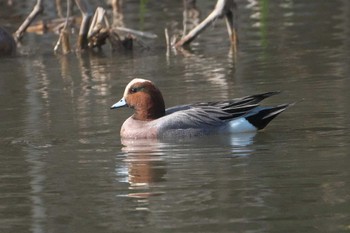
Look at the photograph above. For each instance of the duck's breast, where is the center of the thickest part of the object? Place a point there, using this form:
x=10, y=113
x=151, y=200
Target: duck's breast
x=136, y=129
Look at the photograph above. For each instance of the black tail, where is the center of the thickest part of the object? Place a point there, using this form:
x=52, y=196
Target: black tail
x=255, y=99
x=266, y=114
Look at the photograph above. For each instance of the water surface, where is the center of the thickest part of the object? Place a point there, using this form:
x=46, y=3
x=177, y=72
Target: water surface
x=64, y=167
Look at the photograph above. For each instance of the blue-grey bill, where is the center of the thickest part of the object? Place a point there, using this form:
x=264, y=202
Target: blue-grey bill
x=119, y=104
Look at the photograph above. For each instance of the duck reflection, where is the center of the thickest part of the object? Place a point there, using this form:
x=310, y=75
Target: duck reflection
x=143, y=167
x=243, y=139
x=240, y=144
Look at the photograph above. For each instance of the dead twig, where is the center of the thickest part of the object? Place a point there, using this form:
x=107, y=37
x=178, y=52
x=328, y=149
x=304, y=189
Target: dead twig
x=64, y=33
x=97, y=22
x=222, y=8
x=99, y=29
x=54, y=25
x=86, y=12
x=38, y=8
x=148, y=35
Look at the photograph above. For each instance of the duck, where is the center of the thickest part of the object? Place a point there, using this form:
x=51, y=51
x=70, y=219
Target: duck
x=151, y=120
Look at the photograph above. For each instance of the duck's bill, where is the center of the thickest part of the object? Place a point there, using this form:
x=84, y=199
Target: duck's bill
x=119, y=104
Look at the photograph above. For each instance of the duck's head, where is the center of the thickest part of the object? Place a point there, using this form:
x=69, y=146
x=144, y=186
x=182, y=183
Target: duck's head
x=145, y=98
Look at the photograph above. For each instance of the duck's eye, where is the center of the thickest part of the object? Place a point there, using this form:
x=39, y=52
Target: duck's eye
x=133, y=90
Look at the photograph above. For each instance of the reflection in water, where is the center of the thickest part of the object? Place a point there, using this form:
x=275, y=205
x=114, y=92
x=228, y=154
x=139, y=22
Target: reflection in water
x=143, y=167
x=209, y=69
x=118, y=16
x=240, y=144
x=37, y=103
x=144, y=159
x=37, y=187
x=191, y=16
x=62, y=128
x=86, y=88
x=52, y=100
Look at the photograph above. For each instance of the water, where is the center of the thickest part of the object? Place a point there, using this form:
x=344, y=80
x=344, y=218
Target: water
x=64, y=168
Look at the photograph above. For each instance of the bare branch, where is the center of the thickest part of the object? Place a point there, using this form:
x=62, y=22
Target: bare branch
x=86, y=12
x=64, y=33
x=38, y=9
x=222, y=8
x=96, y=22
x=148, y=35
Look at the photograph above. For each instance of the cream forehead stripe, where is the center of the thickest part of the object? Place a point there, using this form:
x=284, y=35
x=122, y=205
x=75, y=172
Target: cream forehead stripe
x=136, y=80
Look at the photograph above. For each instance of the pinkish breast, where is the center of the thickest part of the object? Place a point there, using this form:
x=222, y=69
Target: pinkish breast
x=138, y=129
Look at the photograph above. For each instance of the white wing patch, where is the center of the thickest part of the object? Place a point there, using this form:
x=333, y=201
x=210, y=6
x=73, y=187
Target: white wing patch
x=241, y=125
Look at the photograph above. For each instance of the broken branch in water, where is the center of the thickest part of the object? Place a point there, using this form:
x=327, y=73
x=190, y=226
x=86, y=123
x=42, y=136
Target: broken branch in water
x=93, y=31
x=148, y=35
x=38, y=8
x=223, y=8
x=100, y=30
x=86, y=12
x=54, y=25
x=63, y=39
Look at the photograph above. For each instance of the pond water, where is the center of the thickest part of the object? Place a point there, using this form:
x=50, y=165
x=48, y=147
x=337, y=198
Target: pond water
x=64, y=167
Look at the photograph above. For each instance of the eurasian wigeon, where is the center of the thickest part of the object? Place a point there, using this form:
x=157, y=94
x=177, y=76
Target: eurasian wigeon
x=152, y=120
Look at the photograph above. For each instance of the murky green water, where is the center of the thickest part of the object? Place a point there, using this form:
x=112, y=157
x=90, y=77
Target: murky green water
x=64, y=169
